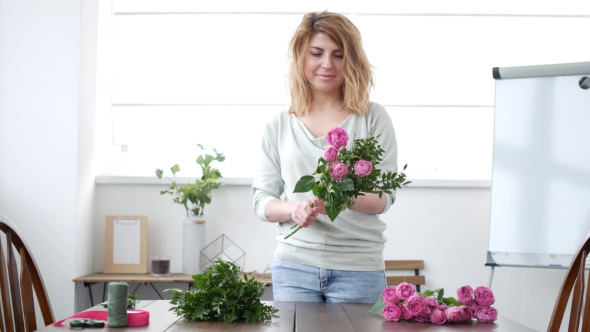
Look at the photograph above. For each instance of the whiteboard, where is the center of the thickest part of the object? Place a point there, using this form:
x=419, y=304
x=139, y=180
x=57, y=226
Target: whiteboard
x=540, y=198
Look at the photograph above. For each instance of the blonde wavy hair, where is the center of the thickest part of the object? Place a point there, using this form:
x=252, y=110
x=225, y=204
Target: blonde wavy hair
x=357, y=71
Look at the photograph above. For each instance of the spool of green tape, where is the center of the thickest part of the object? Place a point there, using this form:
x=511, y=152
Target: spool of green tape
x=117, y=309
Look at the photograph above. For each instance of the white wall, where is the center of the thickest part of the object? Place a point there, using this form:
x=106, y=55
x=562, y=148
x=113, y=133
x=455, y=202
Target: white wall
x=447, y=227
x=86, y=135
x=43, y=177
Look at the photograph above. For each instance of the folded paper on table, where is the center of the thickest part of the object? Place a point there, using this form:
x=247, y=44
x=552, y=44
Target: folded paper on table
x=126, y=242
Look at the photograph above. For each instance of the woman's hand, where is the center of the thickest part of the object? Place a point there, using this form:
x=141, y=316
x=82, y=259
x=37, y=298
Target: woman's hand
x=319, y=206
x=303, y=214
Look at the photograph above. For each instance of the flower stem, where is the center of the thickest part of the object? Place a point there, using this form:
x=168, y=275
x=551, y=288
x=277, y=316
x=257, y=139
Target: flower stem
x=293, y=232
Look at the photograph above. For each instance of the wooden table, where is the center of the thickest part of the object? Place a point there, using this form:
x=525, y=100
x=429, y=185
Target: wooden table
x=105, y=278
x=300, y=317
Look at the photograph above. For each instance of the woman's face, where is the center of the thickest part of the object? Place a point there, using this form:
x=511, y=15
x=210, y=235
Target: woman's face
x=322, y=64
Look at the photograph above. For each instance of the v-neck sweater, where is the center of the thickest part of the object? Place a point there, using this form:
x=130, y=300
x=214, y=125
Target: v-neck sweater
x=355, y=240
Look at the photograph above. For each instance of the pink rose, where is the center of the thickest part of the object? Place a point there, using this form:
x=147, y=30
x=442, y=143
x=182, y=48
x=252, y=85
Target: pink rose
x=467, y=313
x=423, y=318
x=454, y=315
x=405, y=290
x=363, y=168
x=390, y=296
x=338, y=170
x=486, y=314
x=484, y=296
x=337, y=137
x=407, y=315
x=472, y=305
x=415, y=304
x=330, y=154
x=465, y=294
x=438, y=317
x=431, y=302
x=442, y=307
x=392, y=313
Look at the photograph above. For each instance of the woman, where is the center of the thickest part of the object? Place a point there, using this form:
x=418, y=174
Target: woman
x=329, y=80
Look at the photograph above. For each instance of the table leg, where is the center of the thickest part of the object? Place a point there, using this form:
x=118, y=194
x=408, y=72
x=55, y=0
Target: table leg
x=88, y=284
x=161, y=298
x=138, y=284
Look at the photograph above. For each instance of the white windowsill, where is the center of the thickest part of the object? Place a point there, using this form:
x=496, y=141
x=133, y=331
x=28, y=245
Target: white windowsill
x=420, y=183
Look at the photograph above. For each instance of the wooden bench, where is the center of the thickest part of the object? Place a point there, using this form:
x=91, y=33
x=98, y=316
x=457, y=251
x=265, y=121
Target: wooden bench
x=415, y=279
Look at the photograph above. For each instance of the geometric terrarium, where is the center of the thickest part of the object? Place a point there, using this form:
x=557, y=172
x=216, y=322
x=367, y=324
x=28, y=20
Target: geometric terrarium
x=222, y=248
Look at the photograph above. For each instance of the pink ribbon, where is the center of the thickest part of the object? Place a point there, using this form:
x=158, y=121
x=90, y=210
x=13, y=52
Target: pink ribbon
x=134, y=317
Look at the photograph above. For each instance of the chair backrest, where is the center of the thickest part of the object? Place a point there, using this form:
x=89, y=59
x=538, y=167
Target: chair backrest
x=18, y=305
x=574, y=279
x=416, y=279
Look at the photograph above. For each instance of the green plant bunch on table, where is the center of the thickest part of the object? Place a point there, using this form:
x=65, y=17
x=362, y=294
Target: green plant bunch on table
x=194, y=196
x=222, y=293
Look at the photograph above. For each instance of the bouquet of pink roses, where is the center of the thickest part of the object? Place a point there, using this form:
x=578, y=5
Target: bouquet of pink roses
x=403, y=303
x=342, y=175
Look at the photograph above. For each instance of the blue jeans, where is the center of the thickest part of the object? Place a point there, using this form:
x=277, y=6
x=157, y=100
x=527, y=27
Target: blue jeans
x=303, y=283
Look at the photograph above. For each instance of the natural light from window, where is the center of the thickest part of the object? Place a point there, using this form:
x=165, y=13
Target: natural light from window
x=173, y=74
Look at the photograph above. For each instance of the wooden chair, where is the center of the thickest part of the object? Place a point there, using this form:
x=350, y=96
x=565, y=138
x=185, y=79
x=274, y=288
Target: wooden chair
x=415, y=279
x=18, y=305
x=574, y=279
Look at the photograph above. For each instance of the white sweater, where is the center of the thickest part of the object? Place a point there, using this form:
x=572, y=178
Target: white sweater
x=355, y=240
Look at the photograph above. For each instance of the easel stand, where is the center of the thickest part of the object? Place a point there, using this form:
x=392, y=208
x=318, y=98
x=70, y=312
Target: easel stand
x=490, y=262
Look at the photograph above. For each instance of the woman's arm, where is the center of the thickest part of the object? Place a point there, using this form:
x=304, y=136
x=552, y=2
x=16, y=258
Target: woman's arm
x=382, y=125
x=279, y=211
x=268, y=185
x=370, y=203
x=300, y=212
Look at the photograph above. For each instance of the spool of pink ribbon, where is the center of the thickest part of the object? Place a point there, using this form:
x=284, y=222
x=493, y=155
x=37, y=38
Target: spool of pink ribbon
x=134, y=317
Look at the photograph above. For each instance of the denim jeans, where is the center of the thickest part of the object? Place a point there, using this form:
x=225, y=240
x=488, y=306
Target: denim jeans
x=303, y=283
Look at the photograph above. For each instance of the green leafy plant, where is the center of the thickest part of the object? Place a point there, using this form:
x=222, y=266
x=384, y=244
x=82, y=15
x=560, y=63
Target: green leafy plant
x=222, y=293
x=131, y=301
x=195, y=195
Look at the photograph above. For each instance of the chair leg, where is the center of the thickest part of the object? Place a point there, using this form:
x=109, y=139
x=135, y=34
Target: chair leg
x=26, y=286
x=574, y=323
x=586, y=317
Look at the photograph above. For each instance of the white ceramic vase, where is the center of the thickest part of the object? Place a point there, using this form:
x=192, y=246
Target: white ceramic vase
x=193, y=241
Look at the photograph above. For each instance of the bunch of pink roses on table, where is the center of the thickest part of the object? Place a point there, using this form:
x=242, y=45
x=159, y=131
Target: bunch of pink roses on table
x=342, y=175
x=403, y=303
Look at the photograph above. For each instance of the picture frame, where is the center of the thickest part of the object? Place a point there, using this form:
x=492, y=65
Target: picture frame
x=126, y=244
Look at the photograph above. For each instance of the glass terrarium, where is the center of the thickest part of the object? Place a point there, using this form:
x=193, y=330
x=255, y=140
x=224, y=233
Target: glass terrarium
x=225, y=249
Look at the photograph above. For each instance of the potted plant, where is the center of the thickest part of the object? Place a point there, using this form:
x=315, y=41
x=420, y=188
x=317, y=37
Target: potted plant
x=194, y=197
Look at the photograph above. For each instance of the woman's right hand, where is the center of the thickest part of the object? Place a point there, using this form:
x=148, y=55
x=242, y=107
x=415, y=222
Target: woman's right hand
x=303, y=214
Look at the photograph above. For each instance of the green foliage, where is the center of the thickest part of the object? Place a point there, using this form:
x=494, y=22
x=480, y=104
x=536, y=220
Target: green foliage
x=438, y=294
x=220, y=294
x=378, y=306
x=340, y=195
x=131, y=301
x=194, y=196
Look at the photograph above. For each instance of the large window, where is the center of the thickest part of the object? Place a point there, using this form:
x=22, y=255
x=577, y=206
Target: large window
x=174, y=74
